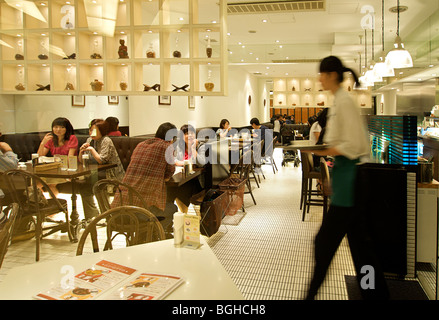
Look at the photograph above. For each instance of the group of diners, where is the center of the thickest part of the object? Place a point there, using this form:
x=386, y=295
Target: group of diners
x=152, y=163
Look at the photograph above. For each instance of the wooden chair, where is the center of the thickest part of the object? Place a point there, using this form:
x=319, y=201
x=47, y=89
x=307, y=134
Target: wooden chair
x=326, y=184
x=105, y=188
x=256, y=168
x=269, y=154
x=242, y=169
x=138, y=225
x=308, y=195
x=25, y=192
x=6, y=230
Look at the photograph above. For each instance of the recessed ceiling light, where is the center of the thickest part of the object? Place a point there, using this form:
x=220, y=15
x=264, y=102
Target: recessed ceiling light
x=181, y=18
x=277, y=41
x=264, y=20
x=242, y=46
x=213, y=21
x=228, y=33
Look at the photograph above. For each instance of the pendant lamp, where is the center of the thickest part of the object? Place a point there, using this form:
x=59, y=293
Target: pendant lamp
x=399, y=57
x=382, y=67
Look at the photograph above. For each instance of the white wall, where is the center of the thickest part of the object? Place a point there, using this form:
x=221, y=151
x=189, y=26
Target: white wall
x=7, y=114
x=388, y=99
x=36, y=113
x=146, y=114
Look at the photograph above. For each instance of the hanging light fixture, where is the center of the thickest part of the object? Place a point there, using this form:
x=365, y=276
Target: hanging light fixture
x=365, y=79
x=382, y=67
x=370, y=74
x=399, y=57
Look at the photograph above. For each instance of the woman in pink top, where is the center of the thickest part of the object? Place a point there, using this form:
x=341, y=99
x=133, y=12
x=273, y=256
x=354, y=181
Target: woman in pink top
x=60, y=141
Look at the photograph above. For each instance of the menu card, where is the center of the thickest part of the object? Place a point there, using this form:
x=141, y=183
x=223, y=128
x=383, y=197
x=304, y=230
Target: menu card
x=125, y=283
x=147, y=286
x=88, y=284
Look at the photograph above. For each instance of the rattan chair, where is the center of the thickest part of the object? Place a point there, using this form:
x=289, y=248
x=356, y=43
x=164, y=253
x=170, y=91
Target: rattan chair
x=136, y=224
x=6, y=230
x=105, y=188
x=23, y=186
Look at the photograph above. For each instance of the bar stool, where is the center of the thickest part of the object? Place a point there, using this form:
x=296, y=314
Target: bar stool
x=326, y=184
x=308, y=175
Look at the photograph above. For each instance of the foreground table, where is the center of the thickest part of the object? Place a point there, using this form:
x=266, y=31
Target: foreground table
x=204, y=276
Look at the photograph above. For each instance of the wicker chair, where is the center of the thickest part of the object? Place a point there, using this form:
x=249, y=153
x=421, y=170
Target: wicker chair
x=138, y=225
x=23, y=186
x=6, y=230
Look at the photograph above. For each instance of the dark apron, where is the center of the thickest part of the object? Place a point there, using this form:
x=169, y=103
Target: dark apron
x=343, y=178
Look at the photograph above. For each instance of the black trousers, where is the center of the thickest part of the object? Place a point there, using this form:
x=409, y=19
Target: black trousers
x=338, y=222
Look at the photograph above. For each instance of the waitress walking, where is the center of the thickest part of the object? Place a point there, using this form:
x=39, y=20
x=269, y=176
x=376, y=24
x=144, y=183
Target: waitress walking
x=346, y=137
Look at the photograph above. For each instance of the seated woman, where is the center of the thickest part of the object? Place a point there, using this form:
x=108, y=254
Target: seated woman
x=187, y=149
x=101, y=150
x=224, y=129
x=60, y=141
x=114, y=126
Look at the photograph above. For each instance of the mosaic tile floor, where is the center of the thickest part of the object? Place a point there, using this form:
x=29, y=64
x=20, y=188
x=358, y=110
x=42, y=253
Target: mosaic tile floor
x=268, y=254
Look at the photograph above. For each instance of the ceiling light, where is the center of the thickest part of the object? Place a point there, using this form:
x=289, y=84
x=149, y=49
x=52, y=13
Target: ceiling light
x=399, y=57
x=383, y=68
x=264, y=20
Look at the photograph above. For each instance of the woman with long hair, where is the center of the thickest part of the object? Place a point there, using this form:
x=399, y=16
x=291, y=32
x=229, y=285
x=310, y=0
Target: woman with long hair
x=346, y=140
x=60, y=141
x=101, y=150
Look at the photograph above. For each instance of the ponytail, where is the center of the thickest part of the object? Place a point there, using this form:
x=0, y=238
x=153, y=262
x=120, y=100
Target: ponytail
x=334, y=64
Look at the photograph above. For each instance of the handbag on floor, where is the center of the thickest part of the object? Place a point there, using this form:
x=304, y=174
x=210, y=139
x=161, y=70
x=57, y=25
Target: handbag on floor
x=212, y=211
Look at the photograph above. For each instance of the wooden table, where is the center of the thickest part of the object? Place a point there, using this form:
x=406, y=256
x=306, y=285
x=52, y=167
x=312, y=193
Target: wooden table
x=73, y=176
x=204, y=276
x=303, y=144
x=181, y=178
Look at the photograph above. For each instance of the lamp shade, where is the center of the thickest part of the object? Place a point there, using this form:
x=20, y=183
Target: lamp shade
x=382, y=67
x=399, y=57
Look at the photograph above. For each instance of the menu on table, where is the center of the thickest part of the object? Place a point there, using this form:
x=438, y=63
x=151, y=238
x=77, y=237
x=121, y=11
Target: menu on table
x=147, y=286
x=127, y=283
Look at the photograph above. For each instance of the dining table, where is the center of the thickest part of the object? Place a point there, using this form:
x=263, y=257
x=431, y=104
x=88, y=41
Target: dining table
x=204, y=277
x=74, y=176
x=181, y=177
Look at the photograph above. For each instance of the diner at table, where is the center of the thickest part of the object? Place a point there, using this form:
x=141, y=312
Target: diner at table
x=152, y=165
x=98, y=148
x=60, y=141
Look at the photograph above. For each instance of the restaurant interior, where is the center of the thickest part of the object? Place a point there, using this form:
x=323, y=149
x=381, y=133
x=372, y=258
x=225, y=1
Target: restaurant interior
x=147, y=62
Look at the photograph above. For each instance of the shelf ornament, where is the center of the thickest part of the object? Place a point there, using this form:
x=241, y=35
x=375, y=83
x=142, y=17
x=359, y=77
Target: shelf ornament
x=123, y=50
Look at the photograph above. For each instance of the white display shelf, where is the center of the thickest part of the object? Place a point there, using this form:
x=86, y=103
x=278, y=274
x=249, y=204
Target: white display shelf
x=68, y=50
x=296, y=92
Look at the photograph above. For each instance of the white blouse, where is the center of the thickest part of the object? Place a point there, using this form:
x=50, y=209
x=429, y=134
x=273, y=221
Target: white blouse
x=346, y=130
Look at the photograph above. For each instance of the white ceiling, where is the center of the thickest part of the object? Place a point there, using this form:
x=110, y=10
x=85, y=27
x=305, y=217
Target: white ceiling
x=313, y=35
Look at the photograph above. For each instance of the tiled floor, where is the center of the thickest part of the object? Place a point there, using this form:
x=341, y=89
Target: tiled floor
x=269, y=253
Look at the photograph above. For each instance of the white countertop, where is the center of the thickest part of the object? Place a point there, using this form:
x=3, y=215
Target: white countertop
x=205, y=277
